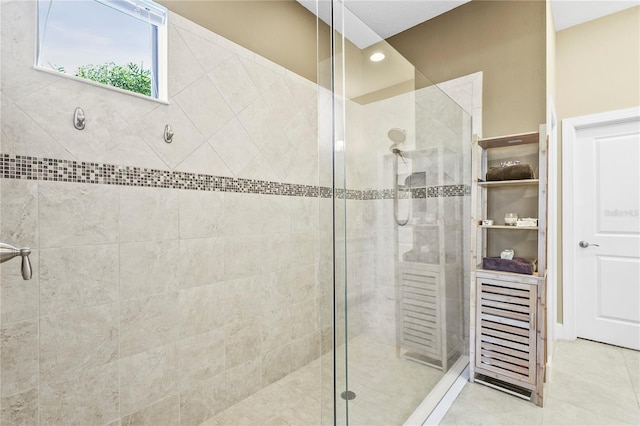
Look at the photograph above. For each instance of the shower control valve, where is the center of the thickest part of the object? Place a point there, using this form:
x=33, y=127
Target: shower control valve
x=8, y=252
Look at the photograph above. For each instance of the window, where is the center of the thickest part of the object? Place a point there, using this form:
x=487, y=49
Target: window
x=118, y=43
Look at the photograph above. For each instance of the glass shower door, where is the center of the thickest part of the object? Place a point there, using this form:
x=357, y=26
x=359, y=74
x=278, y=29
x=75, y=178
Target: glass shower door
x=400, y=175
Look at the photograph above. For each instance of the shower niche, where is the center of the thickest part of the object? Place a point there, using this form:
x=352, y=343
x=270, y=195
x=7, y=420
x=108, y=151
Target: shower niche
x=428, y=265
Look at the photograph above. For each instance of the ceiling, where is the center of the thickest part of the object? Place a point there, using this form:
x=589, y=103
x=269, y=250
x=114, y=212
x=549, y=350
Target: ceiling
x=366, y=22
x=567, y=13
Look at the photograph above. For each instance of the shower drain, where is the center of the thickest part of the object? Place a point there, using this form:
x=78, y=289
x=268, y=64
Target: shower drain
x=348, y=395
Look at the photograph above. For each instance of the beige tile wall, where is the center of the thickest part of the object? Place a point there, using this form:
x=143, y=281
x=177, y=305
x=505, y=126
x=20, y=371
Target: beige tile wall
x=156, y=306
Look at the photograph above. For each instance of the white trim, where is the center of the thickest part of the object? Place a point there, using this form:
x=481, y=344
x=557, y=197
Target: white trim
x=568, y=260
x=445, y=404
x=157, y=13
x=104, y=86
x=552, y=227
x=559, y=330
x=162, y=46
x=569, y=128
x=440, y=394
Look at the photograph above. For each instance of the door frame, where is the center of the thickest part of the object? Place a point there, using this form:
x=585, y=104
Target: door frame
x=553, y=220
x=570, y=127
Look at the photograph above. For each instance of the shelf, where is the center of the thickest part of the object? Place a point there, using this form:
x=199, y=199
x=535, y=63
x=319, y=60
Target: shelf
x=507, y=274
x=529, y=228
x=508, y=306
x=521, y=182
x=512, y=140
x=493, y=271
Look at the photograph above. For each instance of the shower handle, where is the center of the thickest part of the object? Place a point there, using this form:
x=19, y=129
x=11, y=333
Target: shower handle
x=8, y=252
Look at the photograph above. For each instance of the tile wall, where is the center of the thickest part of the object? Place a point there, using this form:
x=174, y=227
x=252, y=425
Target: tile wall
x=174, y=280
x=152, y=302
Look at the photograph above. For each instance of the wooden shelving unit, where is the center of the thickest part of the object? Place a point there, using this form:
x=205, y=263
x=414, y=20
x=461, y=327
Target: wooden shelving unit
x=511, y=228
x=523, y=182
x=508, y=310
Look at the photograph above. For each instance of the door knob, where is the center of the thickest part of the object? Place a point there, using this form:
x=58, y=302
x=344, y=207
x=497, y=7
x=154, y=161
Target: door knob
x=585, y=244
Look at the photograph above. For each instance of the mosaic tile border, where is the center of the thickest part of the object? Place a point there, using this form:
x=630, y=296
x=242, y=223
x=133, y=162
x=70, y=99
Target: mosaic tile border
x=56, y=170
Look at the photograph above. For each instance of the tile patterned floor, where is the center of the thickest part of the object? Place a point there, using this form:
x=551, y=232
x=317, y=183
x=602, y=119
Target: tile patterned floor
x=590, y=384
x=388, y=389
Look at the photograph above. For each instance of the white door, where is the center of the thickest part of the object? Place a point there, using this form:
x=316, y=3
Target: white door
x=605, y=245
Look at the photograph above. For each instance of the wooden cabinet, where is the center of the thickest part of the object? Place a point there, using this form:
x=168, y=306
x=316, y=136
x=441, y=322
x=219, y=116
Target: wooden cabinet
x=508, y=337
x=506, y=333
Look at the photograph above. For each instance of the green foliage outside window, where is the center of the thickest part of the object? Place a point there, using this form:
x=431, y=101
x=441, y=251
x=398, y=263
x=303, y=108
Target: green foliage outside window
x=129, y=77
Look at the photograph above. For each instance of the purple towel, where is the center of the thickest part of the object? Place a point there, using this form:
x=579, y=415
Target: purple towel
x=517, y=172
x=517, y=265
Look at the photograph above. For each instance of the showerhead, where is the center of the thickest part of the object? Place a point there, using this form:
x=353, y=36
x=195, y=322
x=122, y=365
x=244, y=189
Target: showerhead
x=397, y=135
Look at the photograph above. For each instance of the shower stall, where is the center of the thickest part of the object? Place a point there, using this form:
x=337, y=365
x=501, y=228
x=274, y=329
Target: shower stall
x=298, y=254
x=397, y=150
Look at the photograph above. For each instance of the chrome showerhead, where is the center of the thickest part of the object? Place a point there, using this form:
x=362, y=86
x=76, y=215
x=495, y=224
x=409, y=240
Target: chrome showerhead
x=397, y=135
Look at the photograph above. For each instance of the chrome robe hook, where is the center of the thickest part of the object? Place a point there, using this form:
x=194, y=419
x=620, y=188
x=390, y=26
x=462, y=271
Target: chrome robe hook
x=78, y=119
x=168, y=134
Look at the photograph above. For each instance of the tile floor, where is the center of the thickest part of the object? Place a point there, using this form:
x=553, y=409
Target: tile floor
x=590, y=384
x=388, y=389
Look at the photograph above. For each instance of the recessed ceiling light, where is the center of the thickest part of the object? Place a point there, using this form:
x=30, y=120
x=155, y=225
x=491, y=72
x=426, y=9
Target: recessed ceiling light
x=377, y=57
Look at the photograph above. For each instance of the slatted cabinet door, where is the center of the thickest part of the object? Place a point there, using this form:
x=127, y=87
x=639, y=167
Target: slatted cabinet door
x=506, y=337
x=421, y=316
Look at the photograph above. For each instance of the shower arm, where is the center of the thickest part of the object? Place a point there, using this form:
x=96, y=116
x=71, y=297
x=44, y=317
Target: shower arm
x=8, y=252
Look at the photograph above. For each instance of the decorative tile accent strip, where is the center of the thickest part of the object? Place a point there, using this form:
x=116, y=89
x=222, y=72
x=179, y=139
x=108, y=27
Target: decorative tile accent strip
x=448, y=191
x=419, y=192
x=378, y=194
x=49, y=169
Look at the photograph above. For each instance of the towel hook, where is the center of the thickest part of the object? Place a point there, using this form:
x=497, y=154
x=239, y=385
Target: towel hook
x=79, y=119
x=168, y=134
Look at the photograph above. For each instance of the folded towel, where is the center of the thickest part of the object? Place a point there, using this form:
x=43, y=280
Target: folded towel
x=517, y=172
x=517, y=265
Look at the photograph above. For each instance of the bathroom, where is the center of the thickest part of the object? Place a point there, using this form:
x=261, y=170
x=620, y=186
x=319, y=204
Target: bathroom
x=233, y=252
x=173, y=281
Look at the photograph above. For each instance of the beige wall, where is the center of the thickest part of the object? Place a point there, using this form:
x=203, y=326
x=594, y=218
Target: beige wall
x=598, y=65
x=282, y=30
x=505, y=40
x=597, y=70
x=551, y=55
